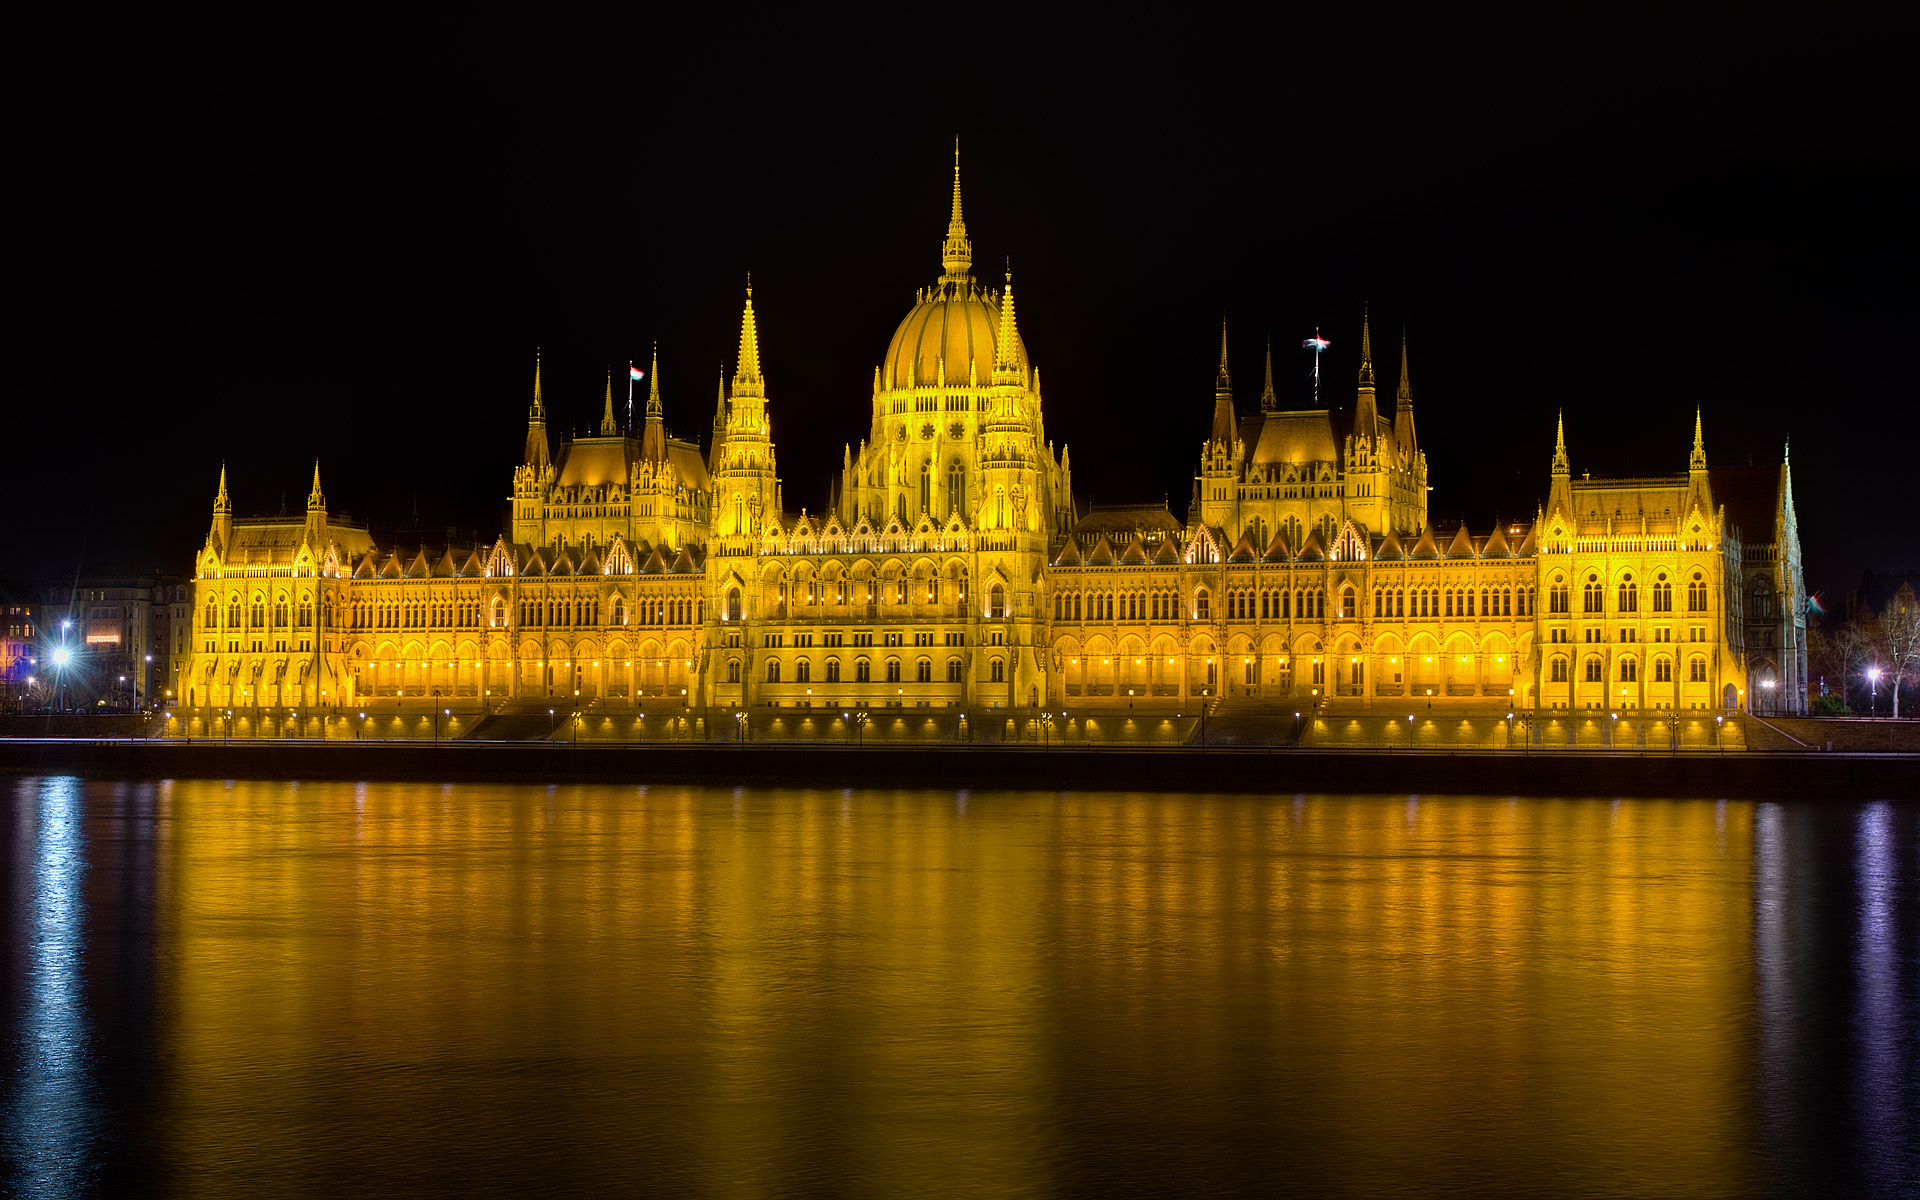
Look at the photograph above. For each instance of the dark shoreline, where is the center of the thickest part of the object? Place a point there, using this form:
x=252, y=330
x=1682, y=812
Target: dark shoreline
x=1746, y=775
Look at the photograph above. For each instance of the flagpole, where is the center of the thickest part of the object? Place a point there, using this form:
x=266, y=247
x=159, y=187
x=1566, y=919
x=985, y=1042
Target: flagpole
x=629, y=397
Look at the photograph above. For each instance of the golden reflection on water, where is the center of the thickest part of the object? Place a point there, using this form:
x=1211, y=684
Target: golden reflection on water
x=401, y=986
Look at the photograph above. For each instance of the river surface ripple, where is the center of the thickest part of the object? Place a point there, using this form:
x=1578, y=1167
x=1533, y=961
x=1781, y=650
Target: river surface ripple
x=316, y=989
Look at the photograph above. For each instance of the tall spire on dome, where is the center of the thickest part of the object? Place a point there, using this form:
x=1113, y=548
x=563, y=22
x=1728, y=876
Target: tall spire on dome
x=1269, y=399
x=1007, y=367
x=1697, y=461
x=956, y=254
x=608, y=427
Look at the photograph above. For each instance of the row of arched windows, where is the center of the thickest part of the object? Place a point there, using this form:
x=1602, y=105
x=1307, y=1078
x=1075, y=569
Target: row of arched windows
x=256, y=614
x=863, y=670
x=1593, y=595
x=1415, y=603
x=1593, y=669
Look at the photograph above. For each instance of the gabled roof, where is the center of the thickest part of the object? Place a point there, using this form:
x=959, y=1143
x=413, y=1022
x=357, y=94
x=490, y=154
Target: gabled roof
x=1426, y=547
x=654, y=563
x=683, y=563
x=1311, y=550
x=1529, y=545
x=1069, y=555
x=1277, y=550
x=1102, y=553
x=1244, y=551
x=1389, y=548
x=1496, y=546
x=1168, y=554
x=1135, y=555
x=1461, y=546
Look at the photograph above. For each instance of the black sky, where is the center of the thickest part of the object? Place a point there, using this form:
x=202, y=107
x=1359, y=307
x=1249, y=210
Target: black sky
x=305, y=236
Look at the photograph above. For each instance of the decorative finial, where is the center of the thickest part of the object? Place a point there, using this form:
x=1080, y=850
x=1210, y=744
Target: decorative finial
x=315, y=498
x=539, y=410
x=1223, y=382
x=956, y=254
x=1560, y=466
x=747, y=380
x=1269, y=400
x=1697, y=461
x=653, y=385
x=220, y=498
x=1007, y=368
x=607, y=427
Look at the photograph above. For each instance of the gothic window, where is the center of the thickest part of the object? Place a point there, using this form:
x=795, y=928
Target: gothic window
x=280, y=612
x=1399, y=603
x=1557, y=597
x=1696, y=670
x=1557, y=671
x=1697, y=594
x=1595, y=671
x=1377, y=602
x=1200, y=602
x=1662, y=594
x=926, y=487
x=862, y=671
x=923, y=671
x=1346, y=603
x=258, y=617
x=956, y=489
x=803, y=671
x=1448, y=600
x=1629, y=671
x=1593, y=598
x=996, y=602
x=953, y=671
x=833, y=670
x=1629, y=595
x=999, y=671
x=893, y=670
x=1663, y=670
x=213, y=614
x=733, y=670
x=1077, y=597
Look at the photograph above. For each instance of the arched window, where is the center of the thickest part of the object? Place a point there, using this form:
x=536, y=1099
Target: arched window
x=1629, y=671
x=999, y=671
x=1696, y=670
x=1346, y=603
x=1662, y=593
x=926, y=487
x=1200, y=603
x=259, y=614
x=1663, y=670
x=996, y=602
x=1557, y=596
x=953, y=670
x=1629, y=594
x=833, y=670
x=733, y=604
x=893, y=670
x=773, y=670
x=1697, y=594
x=213, y=613
x=1557, y=671
x=862, y=671
x=956, y=489
x=923, y=671
x=1595, y=670
x=1594, y=598
x=733, y=670
x=803, y=671
x=619, y=611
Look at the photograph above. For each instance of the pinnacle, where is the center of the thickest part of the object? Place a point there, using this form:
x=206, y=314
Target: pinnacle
x=1223, y=382
x=1268, y=398
x=1366, y=350
x=1405, y=394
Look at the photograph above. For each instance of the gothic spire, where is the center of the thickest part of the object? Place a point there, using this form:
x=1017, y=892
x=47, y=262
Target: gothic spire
x=1366, y=351
x=746, y=379
x=1560, y=466
x=1697, y=461
x=1405, y=394
x=539, y=410
x=316, y=498
x=1223, y=382
x=220, y=501
x=956, y=254
x=654, y=411
x=608, y=427
x=1269, y=400
x=1007, y=368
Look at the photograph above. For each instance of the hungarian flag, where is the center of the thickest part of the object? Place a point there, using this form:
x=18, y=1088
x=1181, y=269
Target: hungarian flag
x=634, y=372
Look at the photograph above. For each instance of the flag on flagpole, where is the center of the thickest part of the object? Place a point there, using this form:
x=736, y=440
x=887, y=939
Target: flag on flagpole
x=635, y=373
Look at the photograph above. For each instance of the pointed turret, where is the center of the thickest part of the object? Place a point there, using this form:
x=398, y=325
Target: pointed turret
x=1403, y=430
x=1269, y=400
x=956, y=253
x=653, y=438
x=222, y=532
x=316, y=512
x=536, y=455
x=1366, y=412
x=1008, y=370
x=1697, y=461
x=747, y=381
x=608, y=426
x=1226, y=423
x=1560, y=465
x=719, y=423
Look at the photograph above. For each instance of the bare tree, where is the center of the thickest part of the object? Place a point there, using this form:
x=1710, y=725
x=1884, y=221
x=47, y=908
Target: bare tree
x=1897, y=644
x=1840, y=651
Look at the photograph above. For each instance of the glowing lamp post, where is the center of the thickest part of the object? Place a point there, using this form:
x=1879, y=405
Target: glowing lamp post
x=1873, y=688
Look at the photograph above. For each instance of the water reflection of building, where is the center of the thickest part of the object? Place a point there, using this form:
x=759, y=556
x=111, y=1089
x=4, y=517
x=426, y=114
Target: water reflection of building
x=952, y=568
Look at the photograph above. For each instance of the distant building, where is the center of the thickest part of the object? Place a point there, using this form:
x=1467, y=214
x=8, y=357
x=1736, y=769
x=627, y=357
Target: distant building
x=121, y=631
x=951, y=566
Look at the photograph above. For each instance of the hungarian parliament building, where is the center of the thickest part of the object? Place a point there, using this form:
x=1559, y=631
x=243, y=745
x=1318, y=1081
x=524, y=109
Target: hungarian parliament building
x=953, y=568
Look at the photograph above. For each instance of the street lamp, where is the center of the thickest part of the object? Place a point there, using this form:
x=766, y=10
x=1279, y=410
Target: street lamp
x=1873, y=690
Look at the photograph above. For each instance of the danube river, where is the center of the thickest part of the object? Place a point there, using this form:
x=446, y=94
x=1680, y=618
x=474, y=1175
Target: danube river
x=220, y=988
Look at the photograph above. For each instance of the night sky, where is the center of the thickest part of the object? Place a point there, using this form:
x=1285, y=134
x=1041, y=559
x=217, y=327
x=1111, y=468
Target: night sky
x=292, y=238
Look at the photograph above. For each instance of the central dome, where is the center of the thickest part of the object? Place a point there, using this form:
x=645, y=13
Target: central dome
x=954, y=322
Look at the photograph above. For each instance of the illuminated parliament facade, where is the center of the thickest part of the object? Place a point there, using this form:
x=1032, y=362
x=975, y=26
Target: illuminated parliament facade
x=952, y=567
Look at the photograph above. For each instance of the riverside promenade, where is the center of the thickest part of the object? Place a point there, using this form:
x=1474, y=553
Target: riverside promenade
x=1268, y=770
